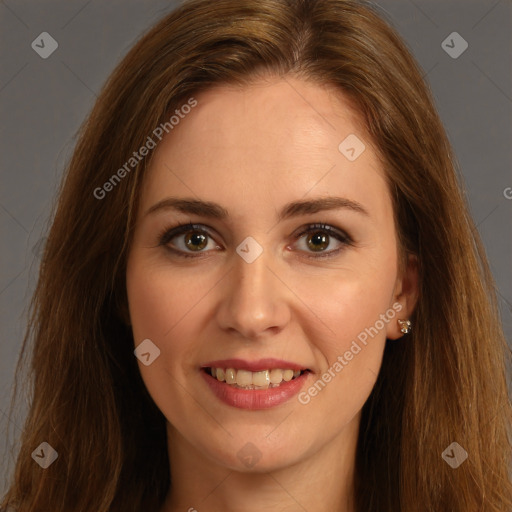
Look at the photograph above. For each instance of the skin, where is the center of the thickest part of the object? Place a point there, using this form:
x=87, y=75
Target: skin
x=252, y=150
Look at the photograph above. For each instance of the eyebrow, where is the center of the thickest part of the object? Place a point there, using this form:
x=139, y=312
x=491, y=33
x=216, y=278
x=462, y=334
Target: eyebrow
x=294, y=209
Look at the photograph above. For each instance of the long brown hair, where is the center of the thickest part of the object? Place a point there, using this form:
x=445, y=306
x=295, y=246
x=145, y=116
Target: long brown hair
x=445, y=383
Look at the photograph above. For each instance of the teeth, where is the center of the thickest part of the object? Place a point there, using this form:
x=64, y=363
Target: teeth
x=254, y=380
x=243, y=378
x=230, y=376
x=276, y=376
x=261, y=379
x=288, y=375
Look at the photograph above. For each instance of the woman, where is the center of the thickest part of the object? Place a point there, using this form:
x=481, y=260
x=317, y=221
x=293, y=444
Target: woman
x=262, y=288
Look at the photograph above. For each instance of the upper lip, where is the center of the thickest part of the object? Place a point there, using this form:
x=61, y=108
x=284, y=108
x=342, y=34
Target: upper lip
x=254, y=366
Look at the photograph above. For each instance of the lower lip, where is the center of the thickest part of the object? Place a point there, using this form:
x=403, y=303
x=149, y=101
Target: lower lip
x=255, y=399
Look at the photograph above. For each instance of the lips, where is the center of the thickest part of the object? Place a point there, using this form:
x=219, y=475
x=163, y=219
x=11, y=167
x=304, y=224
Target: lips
x=254, y=384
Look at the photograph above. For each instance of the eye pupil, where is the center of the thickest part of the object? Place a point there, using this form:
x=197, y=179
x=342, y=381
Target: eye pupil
x=318, y=238
x=195, y=238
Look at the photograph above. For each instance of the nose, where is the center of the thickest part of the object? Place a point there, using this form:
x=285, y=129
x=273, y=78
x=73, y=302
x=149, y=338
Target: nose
x=254, y=299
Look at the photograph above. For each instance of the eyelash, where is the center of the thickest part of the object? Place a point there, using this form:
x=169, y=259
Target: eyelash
x=168, y=234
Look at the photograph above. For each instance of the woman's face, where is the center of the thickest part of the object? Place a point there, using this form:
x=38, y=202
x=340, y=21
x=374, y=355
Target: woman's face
x=255, y=285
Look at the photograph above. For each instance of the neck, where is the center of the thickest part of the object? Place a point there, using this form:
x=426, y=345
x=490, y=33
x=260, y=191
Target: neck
x=322, y=480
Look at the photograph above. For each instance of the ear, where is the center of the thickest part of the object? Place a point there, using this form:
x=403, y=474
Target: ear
x=405, y=297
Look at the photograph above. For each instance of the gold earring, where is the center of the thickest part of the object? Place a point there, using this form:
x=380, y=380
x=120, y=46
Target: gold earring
x=405, y=326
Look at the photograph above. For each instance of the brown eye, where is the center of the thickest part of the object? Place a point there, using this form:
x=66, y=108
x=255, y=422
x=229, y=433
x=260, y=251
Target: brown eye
x=196, y=240
x=186, y=239
x=320, y=237
x=318, y=241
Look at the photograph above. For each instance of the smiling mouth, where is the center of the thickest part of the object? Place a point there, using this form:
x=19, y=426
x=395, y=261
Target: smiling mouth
x=244, y=379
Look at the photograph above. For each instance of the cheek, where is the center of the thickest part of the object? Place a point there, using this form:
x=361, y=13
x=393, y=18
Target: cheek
x=353, y=346
x=355, y=310
x=164, y=311
x=157, y=299
x=350, y=300
x=160, y=308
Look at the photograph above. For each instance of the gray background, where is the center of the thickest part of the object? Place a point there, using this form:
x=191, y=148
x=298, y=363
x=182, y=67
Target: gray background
x=43, y=102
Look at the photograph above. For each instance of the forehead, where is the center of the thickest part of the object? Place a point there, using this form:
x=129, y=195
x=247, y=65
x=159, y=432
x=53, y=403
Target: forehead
x=266, y=144
x=279, y=114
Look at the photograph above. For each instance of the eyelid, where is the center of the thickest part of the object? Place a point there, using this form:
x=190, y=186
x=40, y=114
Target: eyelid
x=169, y=233
x=323, y=226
